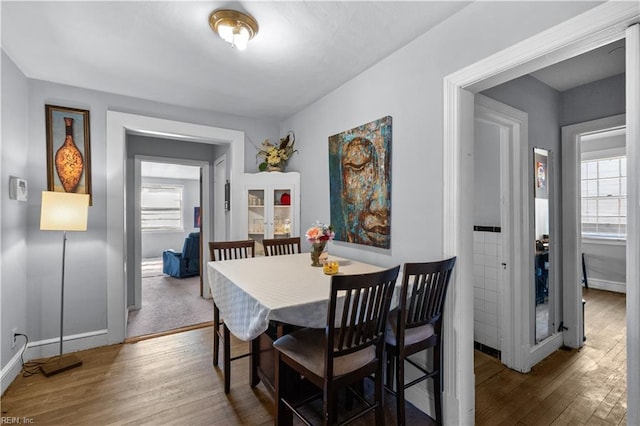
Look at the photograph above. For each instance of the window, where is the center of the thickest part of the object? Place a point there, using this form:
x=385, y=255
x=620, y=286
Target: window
x=161, y=207
x=604, y=197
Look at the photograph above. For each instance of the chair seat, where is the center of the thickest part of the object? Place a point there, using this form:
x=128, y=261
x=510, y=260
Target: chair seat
x=411, y=335
x=307, y=348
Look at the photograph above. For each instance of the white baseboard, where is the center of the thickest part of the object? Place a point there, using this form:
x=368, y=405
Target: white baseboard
x=544, y=349
x=51, y=347
x=423, y=400
x=420, y=397
x=614, y=286
x=11, y=370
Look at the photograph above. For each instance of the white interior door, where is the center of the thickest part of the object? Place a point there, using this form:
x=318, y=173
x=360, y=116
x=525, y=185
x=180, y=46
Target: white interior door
x=513, y=319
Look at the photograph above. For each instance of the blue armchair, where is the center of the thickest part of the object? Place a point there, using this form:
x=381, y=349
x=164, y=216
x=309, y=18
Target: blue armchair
x=186, y=263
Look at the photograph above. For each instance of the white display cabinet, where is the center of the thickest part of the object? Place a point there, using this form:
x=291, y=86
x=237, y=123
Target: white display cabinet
x=271, y=206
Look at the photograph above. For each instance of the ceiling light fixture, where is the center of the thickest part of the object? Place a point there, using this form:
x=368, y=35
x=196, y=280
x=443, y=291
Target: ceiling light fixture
x=233, y=27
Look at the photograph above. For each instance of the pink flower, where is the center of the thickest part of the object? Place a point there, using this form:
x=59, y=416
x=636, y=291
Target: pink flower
x=320, y=232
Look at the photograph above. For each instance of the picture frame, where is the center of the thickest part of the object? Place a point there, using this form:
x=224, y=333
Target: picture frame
x=360, y=184
x=68, y=150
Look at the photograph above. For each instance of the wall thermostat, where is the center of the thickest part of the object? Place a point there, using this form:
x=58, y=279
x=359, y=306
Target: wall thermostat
x=17, y=189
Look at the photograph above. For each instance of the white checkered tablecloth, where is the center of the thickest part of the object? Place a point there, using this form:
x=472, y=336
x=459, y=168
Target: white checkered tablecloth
x=251, y=292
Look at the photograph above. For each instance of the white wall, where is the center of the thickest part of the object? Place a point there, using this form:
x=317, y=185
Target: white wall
x=13, y=232
x=408, y=85
x=486, y=171
x=33, y=280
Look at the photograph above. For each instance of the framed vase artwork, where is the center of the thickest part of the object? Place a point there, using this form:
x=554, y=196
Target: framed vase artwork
x=68, y=150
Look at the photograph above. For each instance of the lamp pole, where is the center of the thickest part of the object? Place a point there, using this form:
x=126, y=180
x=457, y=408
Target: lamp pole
x=64, y=248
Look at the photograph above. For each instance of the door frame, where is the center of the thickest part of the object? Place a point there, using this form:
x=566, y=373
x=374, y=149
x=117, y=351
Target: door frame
x=120, y=124
x=600, y=25
x=571, y=222
x=513, y=126
x=220, y=232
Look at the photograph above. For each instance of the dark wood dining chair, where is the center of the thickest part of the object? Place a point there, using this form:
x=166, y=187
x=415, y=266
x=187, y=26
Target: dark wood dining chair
x=416, y=326
x=227, y=250
x=347, y=350
x=279, y=246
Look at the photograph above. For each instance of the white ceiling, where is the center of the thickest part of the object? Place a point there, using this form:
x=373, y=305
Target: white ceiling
x=166, y=51
x=606, y=61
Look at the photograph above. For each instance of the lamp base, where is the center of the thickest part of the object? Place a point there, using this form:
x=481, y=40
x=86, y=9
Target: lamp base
x=60, y=364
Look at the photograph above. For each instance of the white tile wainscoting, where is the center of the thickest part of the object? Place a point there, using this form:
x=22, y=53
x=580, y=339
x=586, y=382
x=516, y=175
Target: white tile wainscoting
x=487, y=252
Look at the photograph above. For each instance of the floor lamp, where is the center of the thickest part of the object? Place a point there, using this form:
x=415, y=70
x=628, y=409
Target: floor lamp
x=64, y=212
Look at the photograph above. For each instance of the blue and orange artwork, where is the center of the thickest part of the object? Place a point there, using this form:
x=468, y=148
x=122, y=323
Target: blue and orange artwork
x=360, y=184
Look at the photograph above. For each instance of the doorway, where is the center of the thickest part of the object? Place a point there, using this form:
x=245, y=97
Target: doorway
x=119, y=127
x=168, y=213
x=587, y=31
x=500, y=215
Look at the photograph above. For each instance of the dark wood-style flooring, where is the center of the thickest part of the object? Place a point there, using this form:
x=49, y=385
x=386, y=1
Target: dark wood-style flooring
x=169, y=380
x=577, y=387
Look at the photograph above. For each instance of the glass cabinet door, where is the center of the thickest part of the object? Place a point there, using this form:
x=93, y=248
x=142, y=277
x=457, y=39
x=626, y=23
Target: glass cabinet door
x=282, y=216
x=256, y=215
x=272, y=206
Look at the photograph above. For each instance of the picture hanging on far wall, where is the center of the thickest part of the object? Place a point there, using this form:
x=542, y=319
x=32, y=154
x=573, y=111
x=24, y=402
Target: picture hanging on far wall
x=360, y=184
x=540, y=175
x=68, y=150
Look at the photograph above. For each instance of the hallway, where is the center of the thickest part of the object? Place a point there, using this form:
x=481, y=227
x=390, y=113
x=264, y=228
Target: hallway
x=586, y=386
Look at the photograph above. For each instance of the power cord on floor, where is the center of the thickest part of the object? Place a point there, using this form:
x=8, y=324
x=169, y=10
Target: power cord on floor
x=32, y=367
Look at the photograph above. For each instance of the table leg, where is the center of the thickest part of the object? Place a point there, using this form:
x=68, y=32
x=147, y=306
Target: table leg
x=255, y=359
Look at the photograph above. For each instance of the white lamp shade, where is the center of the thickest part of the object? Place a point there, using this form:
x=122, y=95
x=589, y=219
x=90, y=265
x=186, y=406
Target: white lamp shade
x=63, y=211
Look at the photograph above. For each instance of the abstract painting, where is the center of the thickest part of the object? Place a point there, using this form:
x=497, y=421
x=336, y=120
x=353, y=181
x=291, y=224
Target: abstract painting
x=360, y=184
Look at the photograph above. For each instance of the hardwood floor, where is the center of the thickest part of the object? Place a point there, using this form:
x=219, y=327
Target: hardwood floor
x=170, y=380
x=586, y=386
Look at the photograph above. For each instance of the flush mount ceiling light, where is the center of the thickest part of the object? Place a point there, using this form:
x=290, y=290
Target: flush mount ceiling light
x=233, y=27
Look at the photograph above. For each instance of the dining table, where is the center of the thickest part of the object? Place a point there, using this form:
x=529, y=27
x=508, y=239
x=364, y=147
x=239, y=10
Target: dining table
x=254, y=293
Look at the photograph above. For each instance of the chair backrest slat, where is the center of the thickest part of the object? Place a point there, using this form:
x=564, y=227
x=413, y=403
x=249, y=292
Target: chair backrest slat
x=358, y=310
x=229, y=250
x=281, y=246
x=424, y=289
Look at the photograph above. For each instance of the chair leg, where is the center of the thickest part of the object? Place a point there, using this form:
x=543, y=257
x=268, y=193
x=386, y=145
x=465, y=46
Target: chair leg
x=378, y=395
x=226, y=342
x=283, y=416
x=390, y=360
x=400, y=409
x=216, y=334
x=330, y=405
x=437, y=383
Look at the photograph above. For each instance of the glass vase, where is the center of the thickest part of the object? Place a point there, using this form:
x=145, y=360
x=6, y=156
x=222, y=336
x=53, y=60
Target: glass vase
x=316, y=251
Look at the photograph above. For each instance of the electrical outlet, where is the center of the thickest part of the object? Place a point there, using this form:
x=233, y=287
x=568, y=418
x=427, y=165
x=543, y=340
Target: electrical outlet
x=14, y=334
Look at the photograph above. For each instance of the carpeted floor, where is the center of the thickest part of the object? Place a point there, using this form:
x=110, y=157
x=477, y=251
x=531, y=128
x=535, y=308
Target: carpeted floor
x=167, y=303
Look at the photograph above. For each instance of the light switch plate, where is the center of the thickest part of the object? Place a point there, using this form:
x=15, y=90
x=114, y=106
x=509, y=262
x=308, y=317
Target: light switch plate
x=17, y=189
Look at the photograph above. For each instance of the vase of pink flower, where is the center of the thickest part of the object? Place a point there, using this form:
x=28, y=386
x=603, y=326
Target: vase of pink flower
x=318, y=235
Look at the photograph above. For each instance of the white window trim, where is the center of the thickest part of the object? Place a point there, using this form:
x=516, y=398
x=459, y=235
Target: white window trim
x=604, y=154
x=606, y=241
